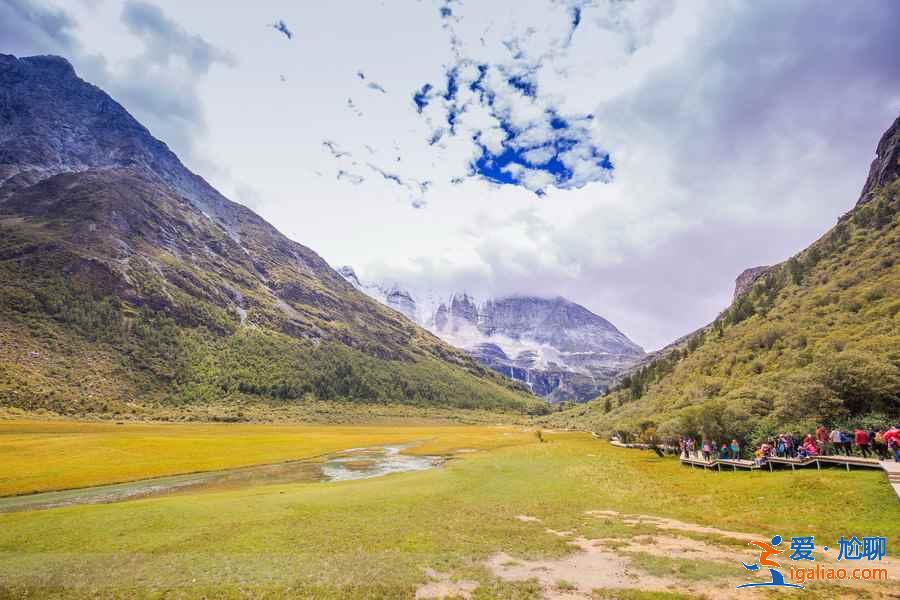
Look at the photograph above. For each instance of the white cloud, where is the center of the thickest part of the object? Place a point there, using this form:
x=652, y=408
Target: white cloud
x=739, y=131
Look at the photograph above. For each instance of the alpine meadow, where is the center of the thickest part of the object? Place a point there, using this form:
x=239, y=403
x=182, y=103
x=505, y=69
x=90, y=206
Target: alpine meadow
x=504, y=359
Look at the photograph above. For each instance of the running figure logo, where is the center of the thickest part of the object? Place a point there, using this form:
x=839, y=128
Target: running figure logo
x=767, y=550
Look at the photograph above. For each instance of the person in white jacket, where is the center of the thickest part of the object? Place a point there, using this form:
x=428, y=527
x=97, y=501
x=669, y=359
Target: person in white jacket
x=835, y=438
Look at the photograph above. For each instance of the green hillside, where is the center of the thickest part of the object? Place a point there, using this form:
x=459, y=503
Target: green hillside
x=816, y=339
x=79, y=337
x=127, y=282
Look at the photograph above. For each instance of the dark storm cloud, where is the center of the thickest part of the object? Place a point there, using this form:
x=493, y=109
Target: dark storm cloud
x=778, y=72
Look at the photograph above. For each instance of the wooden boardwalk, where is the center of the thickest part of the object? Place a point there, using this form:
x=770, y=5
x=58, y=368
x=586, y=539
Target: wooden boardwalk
x=891, y=468
x=718, y=463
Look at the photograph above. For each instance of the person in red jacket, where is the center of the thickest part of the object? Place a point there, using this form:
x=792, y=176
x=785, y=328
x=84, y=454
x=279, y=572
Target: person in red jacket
x=892, y=439
x=861, y=439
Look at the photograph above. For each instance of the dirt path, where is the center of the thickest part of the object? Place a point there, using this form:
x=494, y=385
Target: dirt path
x=665, y=560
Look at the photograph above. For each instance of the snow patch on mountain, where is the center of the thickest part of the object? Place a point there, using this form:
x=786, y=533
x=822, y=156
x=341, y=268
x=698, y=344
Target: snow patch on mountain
x=559, y=349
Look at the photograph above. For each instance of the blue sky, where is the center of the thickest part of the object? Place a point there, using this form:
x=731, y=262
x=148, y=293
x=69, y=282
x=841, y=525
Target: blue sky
x=631, y=156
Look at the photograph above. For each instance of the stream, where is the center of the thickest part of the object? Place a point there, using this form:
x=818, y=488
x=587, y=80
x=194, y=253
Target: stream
x=345, y=465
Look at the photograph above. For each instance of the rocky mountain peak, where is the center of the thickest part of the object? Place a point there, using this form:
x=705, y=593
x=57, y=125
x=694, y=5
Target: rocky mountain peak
x=52, y=122
x=560, y=349
x=68, y=150
x=350, y=275
x=886, y=164
x=462, y=307
x=402, y=301
x=745, y=280
x=56, y=66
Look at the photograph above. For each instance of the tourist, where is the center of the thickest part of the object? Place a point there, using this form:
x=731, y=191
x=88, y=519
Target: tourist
x=780, y=447
x=808, y=448
x=847, y=443
x=879, y=445
x=822, y=439
x=835, y=441
x=735, y=450
x=759, y=458
x=790, y=450
x=892, y=439
x=763, y=453
x=861, y=439
x=707, y=449
x=839, y=436
x=723, y=452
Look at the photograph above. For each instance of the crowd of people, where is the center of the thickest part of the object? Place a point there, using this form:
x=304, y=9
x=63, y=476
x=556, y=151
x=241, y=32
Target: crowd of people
x=710, y=449
x=882, y=443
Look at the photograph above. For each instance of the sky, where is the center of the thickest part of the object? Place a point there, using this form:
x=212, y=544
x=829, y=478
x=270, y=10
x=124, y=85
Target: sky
x=631, y=156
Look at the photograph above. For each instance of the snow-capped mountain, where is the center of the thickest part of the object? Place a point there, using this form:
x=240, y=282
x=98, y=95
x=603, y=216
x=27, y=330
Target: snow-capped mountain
x=559, y=349
x=398, y=299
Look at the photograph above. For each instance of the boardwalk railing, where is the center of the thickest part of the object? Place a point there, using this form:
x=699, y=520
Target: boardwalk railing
x=639, y=446
x=695, y=459
x=891, y=468
x=793, y=463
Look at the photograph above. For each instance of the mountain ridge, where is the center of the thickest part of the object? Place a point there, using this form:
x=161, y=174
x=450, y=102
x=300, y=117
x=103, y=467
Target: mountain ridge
x=811, y=340
x=110, y=242
x=558, y=348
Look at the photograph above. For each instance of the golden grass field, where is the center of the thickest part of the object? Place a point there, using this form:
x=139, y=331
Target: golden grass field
x=573, y=517
x=40, y=456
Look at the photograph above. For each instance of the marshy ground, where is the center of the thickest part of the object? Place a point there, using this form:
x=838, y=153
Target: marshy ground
x=508, y=517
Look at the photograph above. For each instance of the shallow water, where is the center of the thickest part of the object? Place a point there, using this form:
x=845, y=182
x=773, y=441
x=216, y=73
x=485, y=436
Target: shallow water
x=364, y=463
x=355, y=463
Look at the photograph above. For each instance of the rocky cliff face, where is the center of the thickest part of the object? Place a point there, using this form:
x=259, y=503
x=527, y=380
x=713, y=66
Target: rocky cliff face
x=745, y=280
x=53, y=122
x=559, y=349
x=885, y=166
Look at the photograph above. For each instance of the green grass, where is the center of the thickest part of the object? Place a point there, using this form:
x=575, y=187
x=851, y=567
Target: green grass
x=371, y=537
x=690, y=570
x=54, y=455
